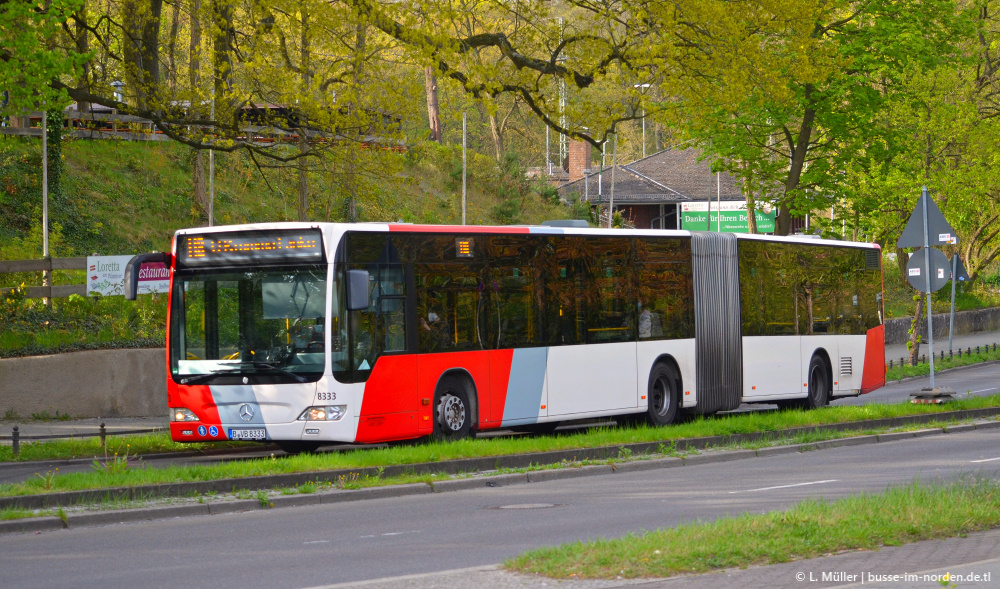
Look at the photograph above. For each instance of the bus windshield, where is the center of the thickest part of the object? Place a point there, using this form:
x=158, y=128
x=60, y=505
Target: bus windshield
x=249, y=325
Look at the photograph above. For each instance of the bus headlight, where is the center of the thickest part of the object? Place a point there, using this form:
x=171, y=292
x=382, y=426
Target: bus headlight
x=182, y=414
x=328, y=413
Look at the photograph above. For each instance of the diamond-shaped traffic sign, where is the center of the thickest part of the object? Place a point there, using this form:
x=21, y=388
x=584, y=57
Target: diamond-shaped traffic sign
x=939, y=231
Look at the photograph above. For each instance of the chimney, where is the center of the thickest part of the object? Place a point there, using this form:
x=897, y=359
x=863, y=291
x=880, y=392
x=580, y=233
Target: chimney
x=579, y=159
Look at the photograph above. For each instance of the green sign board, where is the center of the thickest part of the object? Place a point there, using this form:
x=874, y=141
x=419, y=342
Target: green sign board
x=732, y=221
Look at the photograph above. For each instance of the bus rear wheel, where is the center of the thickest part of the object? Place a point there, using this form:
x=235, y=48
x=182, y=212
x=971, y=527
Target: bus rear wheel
x=663, y=395
x=452, y=411
x=819, y=385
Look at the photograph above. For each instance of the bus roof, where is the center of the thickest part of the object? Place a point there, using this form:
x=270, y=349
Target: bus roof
x=506, y=229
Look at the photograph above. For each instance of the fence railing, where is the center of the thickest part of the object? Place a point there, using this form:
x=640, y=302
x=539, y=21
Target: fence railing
x=891, y=362
x=102, y=431
x=46, y=265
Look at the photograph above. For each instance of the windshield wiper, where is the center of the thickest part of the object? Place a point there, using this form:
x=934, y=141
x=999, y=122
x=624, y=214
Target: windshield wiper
x=256, y=365
x=203, y=377
x=273, y=368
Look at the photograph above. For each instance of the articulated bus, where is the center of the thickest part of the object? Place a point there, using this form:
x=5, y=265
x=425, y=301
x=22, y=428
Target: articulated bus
x=303, y=334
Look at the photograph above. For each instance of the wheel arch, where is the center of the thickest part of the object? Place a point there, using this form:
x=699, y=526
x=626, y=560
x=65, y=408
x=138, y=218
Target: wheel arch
x=823, y=355
x=463, y=375
x=669, y=360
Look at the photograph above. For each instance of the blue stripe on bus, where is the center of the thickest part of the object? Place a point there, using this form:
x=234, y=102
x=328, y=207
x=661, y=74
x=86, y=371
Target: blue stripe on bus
x=526, y=384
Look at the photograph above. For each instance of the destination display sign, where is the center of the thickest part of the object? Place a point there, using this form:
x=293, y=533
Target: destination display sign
x=250, y=247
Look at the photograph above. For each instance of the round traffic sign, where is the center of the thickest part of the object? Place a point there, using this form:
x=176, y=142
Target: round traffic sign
x=939, y=267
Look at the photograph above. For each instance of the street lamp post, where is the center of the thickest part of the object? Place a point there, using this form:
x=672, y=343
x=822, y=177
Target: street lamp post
x=643, y=87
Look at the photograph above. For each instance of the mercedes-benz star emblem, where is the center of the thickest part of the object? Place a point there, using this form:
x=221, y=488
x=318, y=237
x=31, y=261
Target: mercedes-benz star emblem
x=246, y=412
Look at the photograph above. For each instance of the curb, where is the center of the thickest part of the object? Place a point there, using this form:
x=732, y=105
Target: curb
x=463, y=466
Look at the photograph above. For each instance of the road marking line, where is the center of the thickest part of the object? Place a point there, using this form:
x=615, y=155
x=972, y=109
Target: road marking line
x=457, y=573
x=317, y=542
x=785, y=486
x=984, y=390
x=984, y=460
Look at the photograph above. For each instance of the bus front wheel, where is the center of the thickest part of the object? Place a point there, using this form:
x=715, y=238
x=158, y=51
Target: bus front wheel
x=453, y=413
x=663, y=395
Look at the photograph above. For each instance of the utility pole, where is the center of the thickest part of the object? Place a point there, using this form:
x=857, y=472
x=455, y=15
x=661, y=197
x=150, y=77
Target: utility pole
x=463, y=165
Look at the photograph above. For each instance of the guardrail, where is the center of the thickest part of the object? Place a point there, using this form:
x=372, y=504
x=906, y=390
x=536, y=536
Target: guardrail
x=46, y=265
x=102, y=431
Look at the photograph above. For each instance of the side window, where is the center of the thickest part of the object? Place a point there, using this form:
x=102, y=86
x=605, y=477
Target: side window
x=449, y=301
x=607, y=291
x=562, y=283
x=771, y=295
x=665, y=302
x=381, y=328
x=512, y=282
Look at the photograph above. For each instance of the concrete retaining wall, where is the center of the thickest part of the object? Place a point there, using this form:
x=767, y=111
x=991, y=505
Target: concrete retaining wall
x=965, y=322
x=92, y=383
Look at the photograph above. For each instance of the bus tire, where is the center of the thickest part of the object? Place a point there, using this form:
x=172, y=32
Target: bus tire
x=819, y=384
x=298, y=447
x=664, y=398
x=452, y=410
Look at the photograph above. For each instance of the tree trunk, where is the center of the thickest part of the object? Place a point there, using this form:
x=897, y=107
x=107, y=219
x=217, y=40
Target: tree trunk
x=175, y=16
x=141, y=47
x=902, y=259
x=915, y=336
x=198, y=180
x=751, y=214
x=783, y=223
x=303, y=207
x=82, y=41
x=306, y=78
x=222, y=46
x=200, y=195
x=433, y=110
x=497, y=136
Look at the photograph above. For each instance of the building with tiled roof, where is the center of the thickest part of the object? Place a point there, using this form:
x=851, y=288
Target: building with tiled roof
x=651, y=192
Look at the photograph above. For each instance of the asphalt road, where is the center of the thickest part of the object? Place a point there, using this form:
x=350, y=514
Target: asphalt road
x=320, y=545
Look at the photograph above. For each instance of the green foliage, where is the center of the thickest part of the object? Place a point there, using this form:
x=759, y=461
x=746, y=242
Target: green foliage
x=28, y=327
x=30, y=63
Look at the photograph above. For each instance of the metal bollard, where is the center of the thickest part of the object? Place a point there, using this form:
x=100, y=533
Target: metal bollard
x=977, y=349
x=923, y=358
x=104, y=435
x=15, y=439
x=890, y=363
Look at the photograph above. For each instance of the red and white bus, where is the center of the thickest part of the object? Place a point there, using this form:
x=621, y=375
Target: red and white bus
x=303, y=334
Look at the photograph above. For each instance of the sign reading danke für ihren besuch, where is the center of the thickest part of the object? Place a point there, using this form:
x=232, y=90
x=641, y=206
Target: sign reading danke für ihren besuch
x=694, y=217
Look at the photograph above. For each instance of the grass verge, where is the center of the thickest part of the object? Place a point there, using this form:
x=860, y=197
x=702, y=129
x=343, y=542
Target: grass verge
x=898, y=372
x=609, y=436
x=812, y=528
x=124, y=470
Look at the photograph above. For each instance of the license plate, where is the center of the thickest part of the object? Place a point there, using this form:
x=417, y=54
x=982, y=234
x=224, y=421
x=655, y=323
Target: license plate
x=257, y=433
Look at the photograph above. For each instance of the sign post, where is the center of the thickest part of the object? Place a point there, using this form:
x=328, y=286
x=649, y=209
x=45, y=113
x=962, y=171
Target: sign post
x=957, y=273
x=927, y=227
